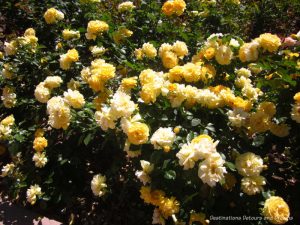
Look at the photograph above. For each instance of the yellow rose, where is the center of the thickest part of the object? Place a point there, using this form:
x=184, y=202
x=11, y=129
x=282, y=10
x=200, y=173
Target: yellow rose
x=169, y=59
x=29, y=32
x=39, y=132
x=73, y=55
x=249, y=51
x=148, y=94
x=179, y=7
x=94, y=28
x=297, y=97
x=168, y=8
x=129, y=83
x=269, y=42
x=96, y=83
x=149, y=50
x=280, y=130
x=70, y=34
x=209, y=53
x=125, y=6
x=121, y=35
x=176, y=74
x=276, y=210
x=53, y=16
x=267, y=107
x=180, y=49
x=249, y=164
x=168, y=206
x=138, y=133
x=224, y=55
x=8, y=121
x=40, y=143
x=97, y=26
x=139, y=54
x=201, y=137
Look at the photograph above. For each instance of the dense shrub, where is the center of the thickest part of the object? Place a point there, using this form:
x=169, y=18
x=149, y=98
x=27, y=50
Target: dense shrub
x=113, y=112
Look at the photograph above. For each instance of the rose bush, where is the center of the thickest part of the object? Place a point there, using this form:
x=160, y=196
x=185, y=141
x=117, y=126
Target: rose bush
x=163, y=112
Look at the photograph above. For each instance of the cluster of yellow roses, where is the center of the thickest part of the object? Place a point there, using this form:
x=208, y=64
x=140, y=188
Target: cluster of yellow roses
x=295, y=113
x=171, y=53
x=166, y=207
x=6, y=127
x=39, y=144
x=53, y=15
x=28, y=39
x=248, y=52
x=176, y=7
x=67, y=59
x=250, y=166
x=96, y=28
x=211, y=169
x=119, y=106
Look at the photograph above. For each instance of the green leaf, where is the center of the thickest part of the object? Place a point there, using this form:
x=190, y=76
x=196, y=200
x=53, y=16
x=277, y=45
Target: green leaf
x=87, y=139
x=189, y=198
x=230, y=166
x=190, y=136
x=258, y=141
x=196, y=122
x=170, y=175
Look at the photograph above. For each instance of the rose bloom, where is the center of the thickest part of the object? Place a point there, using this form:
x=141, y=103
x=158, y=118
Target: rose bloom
x=149, y=50
x=40, y=143
x=74, y=98
x=249, y=164
x=41, y=93
x=289, y=42
x=8, y=121
x=94, y=28
x=179, y=7
x=169, y=59
x=224, y=55
x=53, y=15
x=210, y=53
x=129, y=83
x=253, y=185
x=163, y=137
x=98, y=185
x=138, y=133
x=168, y=8
x=269, y=42
x=125, y=6
x=276, y=210
x=180, y=48
x=249, y=51
x=52, y=82
x=70, y=34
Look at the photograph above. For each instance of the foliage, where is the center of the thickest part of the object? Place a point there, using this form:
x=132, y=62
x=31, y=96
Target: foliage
x=227, y=118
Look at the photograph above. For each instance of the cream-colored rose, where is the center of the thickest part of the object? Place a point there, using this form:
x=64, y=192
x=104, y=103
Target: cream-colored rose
x=249, y=164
